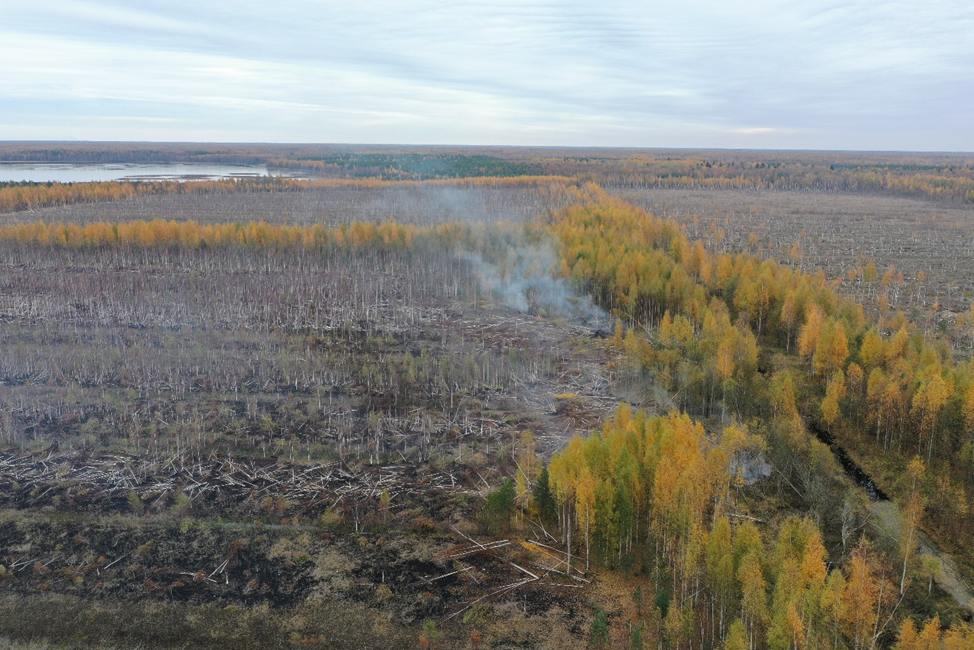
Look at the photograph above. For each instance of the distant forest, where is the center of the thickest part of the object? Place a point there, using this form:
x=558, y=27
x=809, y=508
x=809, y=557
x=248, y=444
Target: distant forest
x=943, y=176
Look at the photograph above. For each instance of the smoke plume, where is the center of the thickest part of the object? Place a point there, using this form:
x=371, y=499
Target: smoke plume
x=527, y=279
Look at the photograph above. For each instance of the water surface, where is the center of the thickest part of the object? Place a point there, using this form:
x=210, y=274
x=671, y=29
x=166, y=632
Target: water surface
x=86, y=172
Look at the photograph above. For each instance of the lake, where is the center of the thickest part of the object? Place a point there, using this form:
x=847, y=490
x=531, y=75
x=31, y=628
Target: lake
x=85, y=172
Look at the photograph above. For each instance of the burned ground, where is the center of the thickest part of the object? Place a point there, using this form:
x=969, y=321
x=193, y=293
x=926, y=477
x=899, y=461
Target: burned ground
x=278, y=440
x=421, y=204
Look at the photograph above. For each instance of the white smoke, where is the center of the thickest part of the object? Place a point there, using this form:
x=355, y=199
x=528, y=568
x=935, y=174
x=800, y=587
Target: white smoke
x=527, y=279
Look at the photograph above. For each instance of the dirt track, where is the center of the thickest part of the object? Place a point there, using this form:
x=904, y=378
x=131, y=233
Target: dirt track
x=886, y=518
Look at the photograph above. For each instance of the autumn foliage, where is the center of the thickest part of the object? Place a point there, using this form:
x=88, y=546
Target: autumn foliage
x=730, y=336
x=17, y=197
x=661, y=491
x=701, y=323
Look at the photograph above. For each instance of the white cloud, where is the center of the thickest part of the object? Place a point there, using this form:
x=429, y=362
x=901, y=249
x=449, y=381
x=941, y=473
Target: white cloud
x=764, y=73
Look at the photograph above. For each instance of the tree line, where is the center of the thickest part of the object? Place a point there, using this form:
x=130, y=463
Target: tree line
x=659, y=494
x=734, y=335
x=21, y=196
x=733, y=331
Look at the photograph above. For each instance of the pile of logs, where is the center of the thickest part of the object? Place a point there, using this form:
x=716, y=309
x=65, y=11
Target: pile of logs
x=549, y=567
x=112, y=478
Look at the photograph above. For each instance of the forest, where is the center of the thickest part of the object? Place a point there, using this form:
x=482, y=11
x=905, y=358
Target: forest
x=942, y=177
x=489, y=398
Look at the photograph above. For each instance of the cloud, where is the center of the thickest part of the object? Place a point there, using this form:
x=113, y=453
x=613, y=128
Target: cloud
x=761, y=130
x=764, y=73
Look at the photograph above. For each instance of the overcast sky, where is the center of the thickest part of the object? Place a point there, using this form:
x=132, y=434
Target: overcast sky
x=810, y=74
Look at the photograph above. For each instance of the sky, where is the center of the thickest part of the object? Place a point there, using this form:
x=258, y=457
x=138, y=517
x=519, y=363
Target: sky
x=759, y=74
